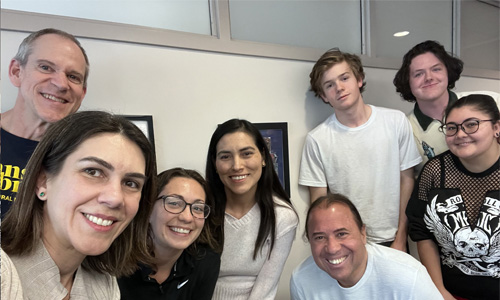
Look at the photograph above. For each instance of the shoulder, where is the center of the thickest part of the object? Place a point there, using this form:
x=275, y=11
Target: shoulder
x=385, y=111
x=400, y=262
x=325, y=126
x=11, y=284
x=286, y=217
x=102, y=284
x=207, y=257
x=306, y=269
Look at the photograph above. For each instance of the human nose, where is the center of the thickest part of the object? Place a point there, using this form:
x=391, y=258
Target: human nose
x=332, y=246
x=237, y=163
x=60, y=80
x=428, y=76
x=461, y=131
x=112, y=195
x=340, y=87
x=186, y=214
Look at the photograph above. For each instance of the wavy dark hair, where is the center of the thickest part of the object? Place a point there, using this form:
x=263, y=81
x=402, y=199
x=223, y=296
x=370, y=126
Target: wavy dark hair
x=206, y=236
x=268, y=185
x=329, y=59
x=454, y=67
x=22, y=227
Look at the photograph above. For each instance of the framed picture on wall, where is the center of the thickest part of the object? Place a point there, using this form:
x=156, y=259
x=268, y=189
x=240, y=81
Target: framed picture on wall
x=276, y=137
x=145, y=123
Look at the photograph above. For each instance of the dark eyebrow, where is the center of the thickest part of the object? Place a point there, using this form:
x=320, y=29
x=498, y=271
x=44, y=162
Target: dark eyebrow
x=110, y=167
x=247, y=148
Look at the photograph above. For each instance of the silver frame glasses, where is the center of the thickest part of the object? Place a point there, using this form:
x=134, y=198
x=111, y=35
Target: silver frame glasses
x=206, y=207
x=442, y=128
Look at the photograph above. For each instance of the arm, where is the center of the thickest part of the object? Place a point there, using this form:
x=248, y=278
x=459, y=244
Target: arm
x=266, y=283
x=406, y=187
x=316, y=192
x=429, y=256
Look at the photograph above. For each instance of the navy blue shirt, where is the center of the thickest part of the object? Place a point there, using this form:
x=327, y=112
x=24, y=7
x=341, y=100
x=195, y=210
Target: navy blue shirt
x=16, y=152
x=190, y=278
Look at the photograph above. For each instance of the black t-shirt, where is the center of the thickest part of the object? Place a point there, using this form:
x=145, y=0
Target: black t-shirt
x=460, y=211
x=15, y=154
x=190, y=278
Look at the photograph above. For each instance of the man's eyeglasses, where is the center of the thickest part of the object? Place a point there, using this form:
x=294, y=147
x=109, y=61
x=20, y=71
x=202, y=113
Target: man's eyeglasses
x=176, y=205
x=468, y=126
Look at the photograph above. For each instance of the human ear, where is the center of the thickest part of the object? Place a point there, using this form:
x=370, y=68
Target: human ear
x=41, y=186
x=15, y=72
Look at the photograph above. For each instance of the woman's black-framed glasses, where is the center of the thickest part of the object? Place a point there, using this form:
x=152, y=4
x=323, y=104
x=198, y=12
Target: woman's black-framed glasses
x=176, y=205
x=468, y=126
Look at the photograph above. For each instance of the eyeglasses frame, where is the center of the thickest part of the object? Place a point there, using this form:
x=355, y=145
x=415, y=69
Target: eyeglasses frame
x=460, y=126
x=164, y=198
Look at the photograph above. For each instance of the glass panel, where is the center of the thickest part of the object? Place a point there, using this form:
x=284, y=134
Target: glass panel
x=480, y=34
x=189, y=16
x=423, y=19
x=306, y=23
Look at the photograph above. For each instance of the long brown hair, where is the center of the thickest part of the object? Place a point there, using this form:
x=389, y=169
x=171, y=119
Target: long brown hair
x=268, y=185
x=22, y=227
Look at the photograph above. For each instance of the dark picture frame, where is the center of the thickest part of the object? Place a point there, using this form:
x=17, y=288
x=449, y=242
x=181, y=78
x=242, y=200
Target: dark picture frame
x=145, y=124
x=276, y=137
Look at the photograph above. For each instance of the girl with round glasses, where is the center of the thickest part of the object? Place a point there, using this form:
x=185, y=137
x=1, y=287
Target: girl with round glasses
x=253, y=212
x=454, y=212
x=186, y=260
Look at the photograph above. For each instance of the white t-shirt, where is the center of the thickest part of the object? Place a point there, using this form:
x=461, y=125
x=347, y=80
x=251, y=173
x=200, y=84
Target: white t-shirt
x=364, y=164
x=390, y=274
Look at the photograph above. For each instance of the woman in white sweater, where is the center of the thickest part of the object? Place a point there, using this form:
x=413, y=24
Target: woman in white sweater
x=256, y=220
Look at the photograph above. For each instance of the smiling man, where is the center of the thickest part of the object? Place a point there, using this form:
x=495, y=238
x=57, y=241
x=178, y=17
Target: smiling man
x=344, y=266
x=362, y=151
x=50, y=71
x=426, y=77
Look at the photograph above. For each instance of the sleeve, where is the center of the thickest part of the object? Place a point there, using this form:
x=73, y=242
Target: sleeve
x=408, y=151
x=312, y=171
x=417, y=204
x=266, y=284
x=11, y=284
x=209, y=269
x=295, y=292
x=424, y=287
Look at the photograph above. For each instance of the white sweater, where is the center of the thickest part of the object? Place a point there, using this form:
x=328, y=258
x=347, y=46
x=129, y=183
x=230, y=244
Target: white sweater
x=242, y=277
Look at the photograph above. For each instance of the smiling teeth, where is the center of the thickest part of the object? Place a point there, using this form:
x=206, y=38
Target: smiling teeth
x=98, y=221
x=180, y=230
x=337, y=261
x=239, y=177
x=50, y=97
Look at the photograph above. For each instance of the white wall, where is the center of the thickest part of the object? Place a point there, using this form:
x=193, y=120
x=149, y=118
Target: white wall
x=189, y=93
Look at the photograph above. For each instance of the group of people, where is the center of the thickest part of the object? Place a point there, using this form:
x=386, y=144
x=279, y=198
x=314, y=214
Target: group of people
x=85, y=223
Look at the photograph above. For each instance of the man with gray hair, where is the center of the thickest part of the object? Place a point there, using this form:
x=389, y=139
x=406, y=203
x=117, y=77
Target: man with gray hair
x=50, y=70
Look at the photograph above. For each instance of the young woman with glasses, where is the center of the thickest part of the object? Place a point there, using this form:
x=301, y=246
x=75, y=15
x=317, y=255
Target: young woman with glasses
x=454, y=212
x=186, y=260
